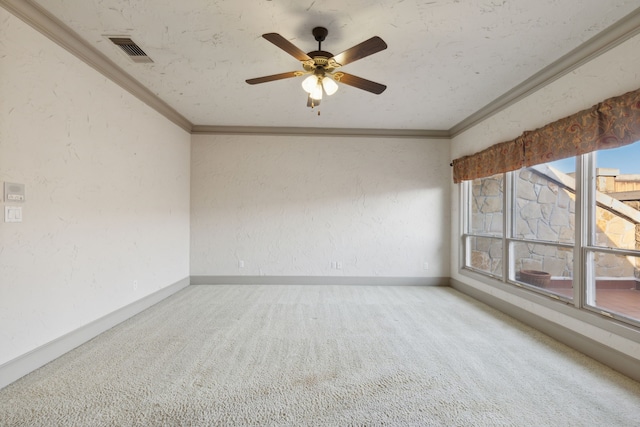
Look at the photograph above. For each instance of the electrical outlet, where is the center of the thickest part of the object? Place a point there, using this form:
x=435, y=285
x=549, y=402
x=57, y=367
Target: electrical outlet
x=135, y=285
x=333, y=265
x=241, y=264
x=425, y=266
x=339, y=265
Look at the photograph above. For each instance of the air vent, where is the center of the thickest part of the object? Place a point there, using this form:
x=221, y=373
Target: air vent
x=131, y=49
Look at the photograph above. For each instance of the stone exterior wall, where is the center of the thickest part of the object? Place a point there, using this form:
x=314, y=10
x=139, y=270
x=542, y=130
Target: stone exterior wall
x=615, y=231
x=487, y=205
x=486, y=218
x=545, y=210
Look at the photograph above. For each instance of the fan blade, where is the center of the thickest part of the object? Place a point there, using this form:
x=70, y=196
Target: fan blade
x=273, y=77
x=359, y=82
x=368, y=47
x=287, y=46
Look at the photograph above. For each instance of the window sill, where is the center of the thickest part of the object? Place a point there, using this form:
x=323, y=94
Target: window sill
x=590, y=316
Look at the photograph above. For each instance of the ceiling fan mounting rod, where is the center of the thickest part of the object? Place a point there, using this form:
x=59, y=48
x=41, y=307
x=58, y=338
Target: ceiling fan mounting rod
x=320, y=33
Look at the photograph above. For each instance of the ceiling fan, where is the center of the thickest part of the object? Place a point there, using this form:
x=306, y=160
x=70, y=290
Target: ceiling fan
x=321, y=65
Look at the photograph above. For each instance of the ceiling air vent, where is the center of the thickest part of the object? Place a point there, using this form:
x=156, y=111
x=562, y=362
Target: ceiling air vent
x=132, y=50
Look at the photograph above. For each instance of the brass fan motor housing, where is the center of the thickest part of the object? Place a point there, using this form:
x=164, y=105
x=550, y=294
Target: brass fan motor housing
x=320, y=59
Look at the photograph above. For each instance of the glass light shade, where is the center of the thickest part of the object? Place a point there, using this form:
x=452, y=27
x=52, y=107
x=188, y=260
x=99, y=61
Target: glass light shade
x=317, y=91
x=330, y=86
x=310, y=83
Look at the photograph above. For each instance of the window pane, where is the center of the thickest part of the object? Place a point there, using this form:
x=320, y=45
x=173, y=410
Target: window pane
x=617, y=226
x=547, y=267
x=617, y=284
x=545, y=204
x=617, y=222
x=623, y=160
x=485, y=254
x=486, y=205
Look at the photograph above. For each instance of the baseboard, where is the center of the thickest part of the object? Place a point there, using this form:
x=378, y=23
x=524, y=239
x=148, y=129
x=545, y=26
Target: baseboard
x=616, y=360
x=319, y=280
x=28, y=362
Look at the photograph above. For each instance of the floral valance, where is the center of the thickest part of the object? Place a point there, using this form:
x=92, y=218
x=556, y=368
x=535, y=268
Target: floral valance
x=503, y=157
x=609, y=124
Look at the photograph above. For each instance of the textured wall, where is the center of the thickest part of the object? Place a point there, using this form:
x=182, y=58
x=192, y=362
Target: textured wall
x=107, y=193
x=613, y=73
x=289, y=206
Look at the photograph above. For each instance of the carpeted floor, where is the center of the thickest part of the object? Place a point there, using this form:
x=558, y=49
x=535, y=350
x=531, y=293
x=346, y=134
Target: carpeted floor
x=321, y=356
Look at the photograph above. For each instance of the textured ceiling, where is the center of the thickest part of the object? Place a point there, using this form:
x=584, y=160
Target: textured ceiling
x=446, y=59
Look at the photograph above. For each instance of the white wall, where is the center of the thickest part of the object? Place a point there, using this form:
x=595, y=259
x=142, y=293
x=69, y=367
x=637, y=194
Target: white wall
x=610, y=74
x=107, y=193
x=613, y=73
x=290, y=205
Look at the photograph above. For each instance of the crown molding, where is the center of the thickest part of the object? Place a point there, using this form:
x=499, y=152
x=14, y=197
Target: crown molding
x=609, y=38
x=54, y=29
x=306, y=131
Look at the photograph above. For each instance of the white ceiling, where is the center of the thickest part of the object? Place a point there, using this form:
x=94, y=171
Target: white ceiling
x=446, y=59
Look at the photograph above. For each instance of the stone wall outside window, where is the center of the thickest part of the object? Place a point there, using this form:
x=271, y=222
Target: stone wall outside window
x=545, y=210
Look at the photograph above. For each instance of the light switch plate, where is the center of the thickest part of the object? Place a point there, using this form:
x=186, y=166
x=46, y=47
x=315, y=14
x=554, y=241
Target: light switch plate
x=13, y=214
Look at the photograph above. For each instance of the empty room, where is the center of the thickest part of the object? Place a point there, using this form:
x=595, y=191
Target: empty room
x=320, y=213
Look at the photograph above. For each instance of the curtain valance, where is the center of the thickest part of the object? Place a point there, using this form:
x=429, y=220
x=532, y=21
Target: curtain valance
x=609, y=124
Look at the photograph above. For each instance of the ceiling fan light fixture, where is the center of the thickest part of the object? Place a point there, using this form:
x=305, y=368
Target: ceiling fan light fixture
x=317, y=90
x=309, y=84
x=321, y=65
x=329, y=85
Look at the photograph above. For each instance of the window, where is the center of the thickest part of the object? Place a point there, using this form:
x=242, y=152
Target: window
x=569, y=229
x=486, y=224
x=543, y=236
x=613, y=248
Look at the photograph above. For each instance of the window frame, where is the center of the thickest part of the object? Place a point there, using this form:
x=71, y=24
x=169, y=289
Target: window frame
x=467, y=189
x=583, y=246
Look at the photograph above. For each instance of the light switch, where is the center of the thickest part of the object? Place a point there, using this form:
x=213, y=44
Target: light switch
x=13, y=214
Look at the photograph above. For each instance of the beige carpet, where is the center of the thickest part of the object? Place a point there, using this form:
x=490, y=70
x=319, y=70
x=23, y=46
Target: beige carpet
x=321, y=356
